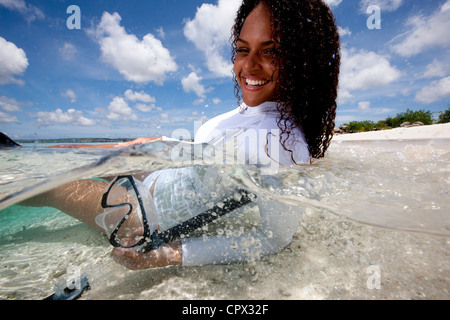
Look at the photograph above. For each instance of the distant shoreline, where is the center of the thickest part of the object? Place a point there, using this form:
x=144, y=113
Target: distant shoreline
x=423, y=132
x=75, y=140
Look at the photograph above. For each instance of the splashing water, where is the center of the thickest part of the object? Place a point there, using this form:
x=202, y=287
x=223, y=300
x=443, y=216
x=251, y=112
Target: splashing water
x=397, y=185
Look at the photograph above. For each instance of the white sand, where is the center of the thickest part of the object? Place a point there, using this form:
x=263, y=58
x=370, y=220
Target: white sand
x=329, y=258
x=437, y=131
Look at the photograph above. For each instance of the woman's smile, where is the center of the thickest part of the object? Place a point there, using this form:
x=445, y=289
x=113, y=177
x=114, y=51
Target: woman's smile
x=255, y=83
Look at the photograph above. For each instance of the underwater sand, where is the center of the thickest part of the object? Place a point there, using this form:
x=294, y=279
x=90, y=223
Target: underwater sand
x=329, y=258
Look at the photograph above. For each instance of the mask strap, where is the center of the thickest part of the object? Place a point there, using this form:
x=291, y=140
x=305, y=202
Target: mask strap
x=157, y=239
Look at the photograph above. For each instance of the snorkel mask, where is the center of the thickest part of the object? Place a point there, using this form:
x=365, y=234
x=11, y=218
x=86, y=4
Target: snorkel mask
x=130, y=220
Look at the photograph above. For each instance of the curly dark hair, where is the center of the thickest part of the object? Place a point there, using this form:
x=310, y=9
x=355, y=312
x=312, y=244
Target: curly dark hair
x=307, y=57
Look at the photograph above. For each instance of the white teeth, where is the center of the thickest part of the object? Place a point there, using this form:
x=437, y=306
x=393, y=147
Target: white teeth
x=255, y=82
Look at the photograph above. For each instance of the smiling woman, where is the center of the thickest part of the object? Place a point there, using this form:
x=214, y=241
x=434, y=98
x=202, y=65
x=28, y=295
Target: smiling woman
x=254, y=63
x=403, y=63
x=293, y=60
x=284, y=89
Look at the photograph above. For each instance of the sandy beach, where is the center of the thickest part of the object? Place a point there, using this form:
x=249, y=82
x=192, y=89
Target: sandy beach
x=436, y=131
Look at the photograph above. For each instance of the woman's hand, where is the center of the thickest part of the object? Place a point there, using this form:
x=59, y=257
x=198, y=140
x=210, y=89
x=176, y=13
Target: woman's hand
x=164, y=256
x=141, y=140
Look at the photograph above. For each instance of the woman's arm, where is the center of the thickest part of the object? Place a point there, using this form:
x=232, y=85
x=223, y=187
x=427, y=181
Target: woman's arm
x=164, y=256
x=141, y=140
x=80, y=199
x=279, y=223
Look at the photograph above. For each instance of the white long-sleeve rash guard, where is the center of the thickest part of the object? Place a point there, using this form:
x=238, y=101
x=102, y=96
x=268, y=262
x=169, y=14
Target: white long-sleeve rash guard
x=182, y=193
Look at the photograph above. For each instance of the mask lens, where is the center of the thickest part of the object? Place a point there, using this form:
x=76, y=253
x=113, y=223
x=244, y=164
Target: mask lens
x=122, y=217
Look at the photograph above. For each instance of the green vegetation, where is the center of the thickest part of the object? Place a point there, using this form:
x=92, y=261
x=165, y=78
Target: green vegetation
x=444, y=117
x=422, y=116
x=410, y=116
x=360, y=126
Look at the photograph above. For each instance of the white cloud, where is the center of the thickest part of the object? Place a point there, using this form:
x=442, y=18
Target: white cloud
x=364, y=106
x=29, y=11
x=424, y=33
x=385, y=5
x=198, y=101
x=344, y=31
x=191, y=83
x=137, y=60
x=210, y=31
x=13, y=62
x=436, y=91
x=333, y=3
x=72, y=116
x=143, y=98
x=436, y=69
x=362, y=70
x=160, y=32
x=68, y=52
x=341, y=118
x=70, y=94
x=120, y=110
x=138, y=96
x=145, y=108
x=383, y=110
x=10, y=104
x=7, y=118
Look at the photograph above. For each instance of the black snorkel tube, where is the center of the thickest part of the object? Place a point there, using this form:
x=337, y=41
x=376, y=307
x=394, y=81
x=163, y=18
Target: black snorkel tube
x=153, y=240
x=157, y=239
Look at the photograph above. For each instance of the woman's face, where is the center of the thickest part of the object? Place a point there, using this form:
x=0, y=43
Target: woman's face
x=254, y=63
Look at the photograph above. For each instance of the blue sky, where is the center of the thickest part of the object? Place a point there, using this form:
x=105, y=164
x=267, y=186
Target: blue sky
x=148, y=68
